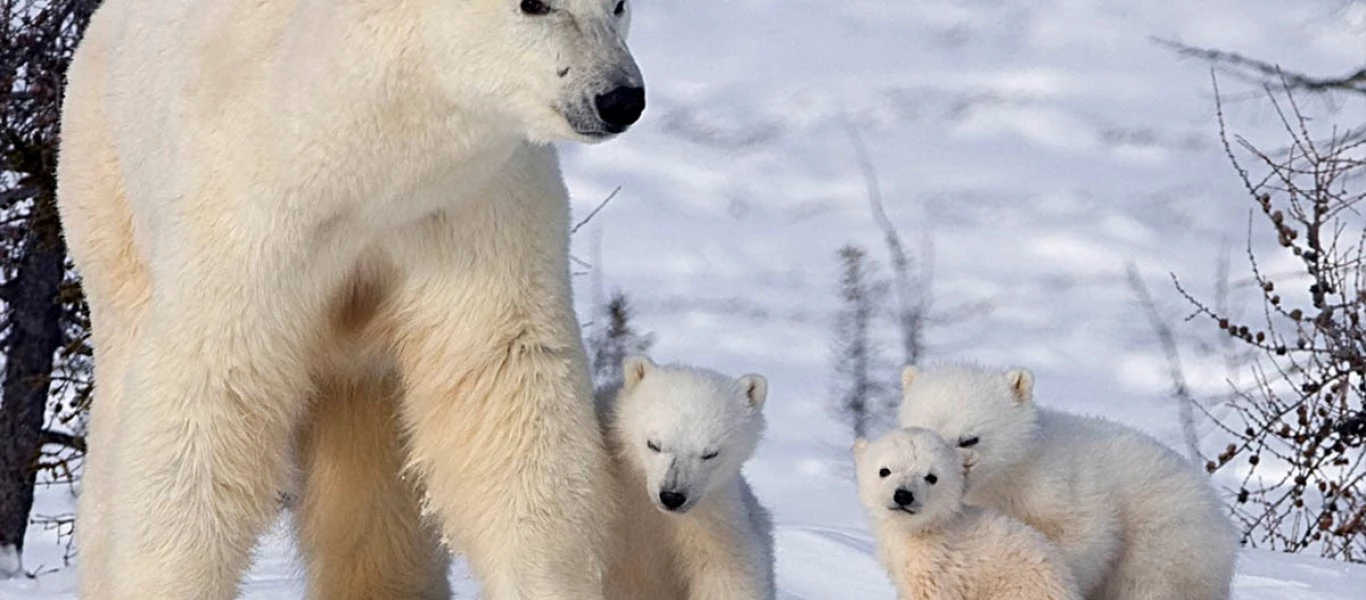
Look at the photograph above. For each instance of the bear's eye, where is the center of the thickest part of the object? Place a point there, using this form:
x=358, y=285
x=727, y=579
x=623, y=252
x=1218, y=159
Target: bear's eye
x=620, y=9
x=653, y=446
x=535, y=7
x=883, y=472
x=931, y=479
x=710, y=455
x=968, y=442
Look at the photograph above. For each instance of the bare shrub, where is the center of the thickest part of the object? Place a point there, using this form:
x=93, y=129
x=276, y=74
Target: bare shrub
x=912, y=284
x=611, y=340
x=1298, y=431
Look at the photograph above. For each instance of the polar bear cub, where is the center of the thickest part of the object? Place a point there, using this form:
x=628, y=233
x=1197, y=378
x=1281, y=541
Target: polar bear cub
x=1133, y=520
x=690, y=527
x=911, y=482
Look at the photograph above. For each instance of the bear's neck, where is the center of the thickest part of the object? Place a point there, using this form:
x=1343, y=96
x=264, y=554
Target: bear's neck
x=921, y=560
x=395, y=112
x=928, y=527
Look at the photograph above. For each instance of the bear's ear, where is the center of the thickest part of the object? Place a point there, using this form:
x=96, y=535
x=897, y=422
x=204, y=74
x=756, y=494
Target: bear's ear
x=908, y=374
x=1021, y=385
x=756, y=390
x=969, y=458
x=633, y=369
x=860, y=445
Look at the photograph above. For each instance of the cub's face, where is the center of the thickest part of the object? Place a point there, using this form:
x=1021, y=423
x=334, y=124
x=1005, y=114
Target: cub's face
x=687, y=431
x=986, y=411
x=910, y=477
x=553, y=69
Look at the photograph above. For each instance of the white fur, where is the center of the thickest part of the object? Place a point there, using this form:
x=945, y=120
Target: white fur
x=718, y=544
x=284, y=207
x=1134, y=520
x=934, y=547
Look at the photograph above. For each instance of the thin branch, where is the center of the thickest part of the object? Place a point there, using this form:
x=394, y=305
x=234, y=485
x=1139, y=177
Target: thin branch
x=1167, y=340
x=75, y=442
x=596, y=210
x=1252, y=69
x=910, y=318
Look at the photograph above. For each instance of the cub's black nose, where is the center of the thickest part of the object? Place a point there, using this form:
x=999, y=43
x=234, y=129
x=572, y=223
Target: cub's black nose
x=620, y=107
x=672, y=500
x=903, y=497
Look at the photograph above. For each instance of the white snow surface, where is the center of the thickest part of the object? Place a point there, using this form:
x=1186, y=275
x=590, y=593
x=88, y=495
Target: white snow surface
x=1043, y=144
x=11, y=563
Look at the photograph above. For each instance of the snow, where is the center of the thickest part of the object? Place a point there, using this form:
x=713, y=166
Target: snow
x=11, y=564
x=1045, y=144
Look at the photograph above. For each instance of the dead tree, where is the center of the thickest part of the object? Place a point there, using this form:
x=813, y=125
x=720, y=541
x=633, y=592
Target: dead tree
x=860, y=395
x=912, y=286
x=37, y=38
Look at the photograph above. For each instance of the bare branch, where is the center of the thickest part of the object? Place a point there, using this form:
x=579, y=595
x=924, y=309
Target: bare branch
x=75, y=442
x=1167, y=340
x=1259, y=71
x=595, y=211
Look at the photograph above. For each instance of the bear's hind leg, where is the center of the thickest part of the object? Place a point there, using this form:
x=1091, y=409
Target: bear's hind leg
x=99, y=233
x=358, y=518
x=215, y=384
x=1152, y=569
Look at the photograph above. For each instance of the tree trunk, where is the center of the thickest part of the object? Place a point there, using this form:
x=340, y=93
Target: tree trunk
x=35, y=335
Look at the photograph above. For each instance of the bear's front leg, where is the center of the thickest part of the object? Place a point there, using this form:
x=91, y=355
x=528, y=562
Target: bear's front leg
x=497, y=397
x=504, y=438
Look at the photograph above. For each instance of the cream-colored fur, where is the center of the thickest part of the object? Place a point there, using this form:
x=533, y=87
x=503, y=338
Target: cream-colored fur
x=934, y=547
x=356, y=518
x=284, y=210
x=687, y=430
x=1133, y=519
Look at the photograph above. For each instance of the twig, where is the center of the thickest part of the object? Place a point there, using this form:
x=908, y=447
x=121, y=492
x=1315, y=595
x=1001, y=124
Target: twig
x=595, y=211
x=1239, y=66
x=58, y=438
x=1167, y=340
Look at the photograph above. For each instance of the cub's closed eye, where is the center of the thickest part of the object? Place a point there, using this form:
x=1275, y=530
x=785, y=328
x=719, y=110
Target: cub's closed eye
x=884, y=472
x=621, y=8
x=931, y=479
x=535, y=7
x=710, y=455
x=654, y=447
x=968, y=442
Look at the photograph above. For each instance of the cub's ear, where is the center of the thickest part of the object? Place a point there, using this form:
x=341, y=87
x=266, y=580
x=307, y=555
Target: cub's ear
x=908, y=374
x=633, y=369
x=860, y=445
x=756, y=390
x=1021, y=385
x=969, y=458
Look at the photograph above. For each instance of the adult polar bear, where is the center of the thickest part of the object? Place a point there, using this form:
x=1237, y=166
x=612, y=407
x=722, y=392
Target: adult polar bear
x=336, y=224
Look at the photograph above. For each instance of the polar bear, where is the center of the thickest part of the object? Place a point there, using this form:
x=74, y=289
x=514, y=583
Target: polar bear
x=336, y=229
x=1133, y=519
x=690, y=527
x=911, y=482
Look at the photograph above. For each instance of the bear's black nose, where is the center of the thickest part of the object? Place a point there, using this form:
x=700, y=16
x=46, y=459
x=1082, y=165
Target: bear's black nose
x=903, y=497
x=620, y=107
x=672, y=500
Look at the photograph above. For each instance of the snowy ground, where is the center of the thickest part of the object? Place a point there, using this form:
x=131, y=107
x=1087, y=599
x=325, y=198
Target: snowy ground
x=1043, y=143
